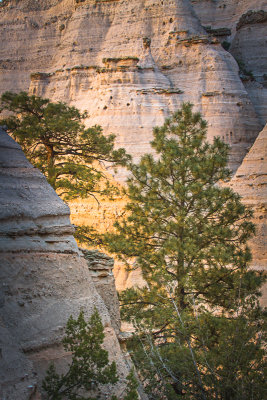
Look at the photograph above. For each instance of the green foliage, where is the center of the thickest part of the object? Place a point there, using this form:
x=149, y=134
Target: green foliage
x=199, y=327
x=55, y=140
x=132, y=385
x=89, y=368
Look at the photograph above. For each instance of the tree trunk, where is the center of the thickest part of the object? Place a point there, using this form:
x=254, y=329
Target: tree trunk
x=51, y=175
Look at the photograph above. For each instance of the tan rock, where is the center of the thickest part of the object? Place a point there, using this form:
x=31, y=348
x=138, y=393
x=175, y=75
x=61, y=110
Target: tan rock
x=225, y=14
x=250, y=181
x=101, y=267
x=251, y=29
x=247, y=22
x=67, y=45
x=101, y=216
x=44, y=278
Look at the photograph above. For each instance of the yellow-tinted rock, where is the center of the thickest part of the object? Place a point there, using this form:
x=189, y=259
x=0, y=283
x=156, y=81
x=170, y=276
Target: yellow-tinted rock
x=129, y=63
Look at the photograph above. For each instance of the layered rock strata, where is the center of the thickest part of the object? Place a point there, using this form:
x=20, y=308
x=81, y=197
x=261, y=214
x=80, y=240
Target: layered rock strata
x=244, y=23
x=44, y=279
x=249, y=47
x=226, y=13
x=101, y=268
x=130, y=63
x=101, y=216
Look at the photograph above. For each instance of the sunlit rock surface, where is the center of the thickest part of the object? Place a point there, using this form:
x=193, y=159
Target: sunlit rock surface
x=44, y=278
x=130, y=63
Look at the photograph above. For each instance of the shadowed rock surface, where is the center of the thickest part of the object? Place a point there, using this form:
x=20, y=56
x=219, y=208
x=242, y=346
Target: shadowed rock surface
x=247, y=22
x=101, y=268
x=250, y=181
x=44, y=278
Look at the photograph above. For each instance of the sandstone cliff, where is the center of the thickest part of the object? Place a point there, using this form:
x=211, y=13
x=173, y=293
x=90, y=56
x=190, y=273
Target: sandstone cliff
x=43, y=276
x=242, y=25
x=130, y=63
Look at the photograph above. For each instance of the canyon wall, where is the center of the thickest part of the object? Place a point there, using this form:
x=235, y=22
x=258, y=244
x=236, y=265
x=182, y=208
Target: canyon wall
x=241, y=25
x=44, y=279
x=129, y=63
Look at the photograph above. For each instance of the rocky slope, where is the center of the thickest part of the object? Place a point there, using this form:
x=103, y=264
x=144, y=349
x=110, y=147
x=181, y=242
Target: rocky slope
x=44, y=279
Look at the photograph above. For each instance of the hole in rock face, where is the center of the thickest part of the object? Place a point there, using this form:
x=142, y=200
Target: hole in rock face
x=171, y=20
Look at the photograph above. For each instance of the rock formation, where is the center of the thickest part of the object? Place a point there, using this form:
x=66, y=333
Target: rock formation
x=44, y=278
x=244, y=23
x=250, y=181
x=130, y=63
x=101, y=217
x=101, y=268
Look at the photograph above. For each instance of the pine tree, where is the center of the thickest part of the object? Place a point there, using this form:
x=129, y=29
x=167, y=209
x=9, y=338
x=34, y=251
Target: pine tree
x=89, y=367
x=55, y=140
x=199, y=325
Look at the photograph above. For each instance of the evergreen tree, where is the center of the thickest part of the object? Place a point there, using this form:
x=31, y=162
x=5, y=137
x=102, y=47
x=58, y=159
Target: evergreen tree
x=55, y=140
x=199, y=325
x=89, y=367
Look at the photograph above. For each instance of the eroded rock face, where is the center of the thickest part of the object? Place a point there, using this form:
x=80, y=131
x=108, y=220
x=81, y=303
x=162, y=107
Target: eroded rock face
x=17, y=376
x=44, y=278
x=101, y=216
x=246, y=22
x=130, y=63
x=225, y=13
x=250, y=50
x=250, y=181
x=43, y=223
x=101, y=268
